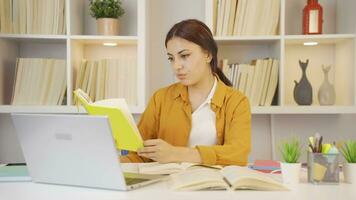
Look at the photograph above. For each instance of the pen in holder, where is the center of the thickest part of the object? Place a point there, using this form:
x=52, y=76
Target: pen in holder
x=323, y=168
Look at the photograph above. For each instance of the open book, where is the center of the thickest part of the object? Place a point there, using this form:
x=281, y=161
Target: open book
x=229, y=177
x=162, y=169
x=123, y=126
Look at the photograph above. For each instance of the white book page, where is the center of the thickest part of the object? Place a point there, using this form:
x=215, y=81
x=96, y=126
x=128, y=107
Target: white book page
x=243, y=177
x=198, y=179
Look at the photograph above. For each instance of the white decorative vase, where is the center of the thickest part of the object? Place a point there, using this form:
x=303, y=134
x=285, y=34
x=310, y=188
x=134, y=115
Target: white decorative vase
x=326, y=93
x=108, y=26
x=349, y=170
x=290, y=172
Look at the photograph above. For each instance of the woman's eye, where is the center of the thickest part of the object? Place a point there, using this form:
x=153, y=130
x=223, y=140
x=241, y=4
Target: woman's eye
x=185, y=56
x=170, y=59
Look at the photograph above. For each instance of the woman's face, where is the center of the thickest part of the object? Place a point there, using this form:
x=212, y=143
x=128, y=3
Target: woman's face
x=189, y=61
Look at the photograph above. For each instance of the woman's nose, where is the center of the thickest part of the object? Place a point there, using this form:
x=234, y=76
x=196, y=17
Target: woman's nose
x=177, y=66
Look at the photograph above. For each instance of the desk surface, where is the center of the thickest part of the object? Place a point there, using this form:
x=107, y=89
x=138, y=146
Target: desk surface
x=304, y=191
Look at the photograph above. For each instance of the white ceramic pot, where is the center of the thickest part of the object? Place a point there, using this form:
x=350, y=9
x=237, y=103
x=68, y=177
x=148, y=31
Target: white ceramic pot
x=108, y=26
x=290, y=172
x=349, y=170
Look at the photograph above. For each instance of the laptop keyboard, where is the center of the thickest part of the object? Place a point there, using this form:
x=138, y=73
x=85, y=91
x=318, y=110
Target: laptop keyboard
x=132, y=181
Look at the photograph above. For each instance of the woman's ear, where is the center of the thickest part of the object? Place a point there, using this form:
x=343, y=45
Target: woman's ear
x=208, y=57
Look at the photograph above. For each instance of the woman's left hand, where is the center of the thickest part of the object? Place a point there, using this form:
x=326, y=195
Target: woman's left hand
x=158, y=150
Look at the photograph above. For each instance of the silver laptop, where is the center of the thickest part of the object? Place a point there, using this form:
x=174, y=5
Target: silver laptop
x=74, y=150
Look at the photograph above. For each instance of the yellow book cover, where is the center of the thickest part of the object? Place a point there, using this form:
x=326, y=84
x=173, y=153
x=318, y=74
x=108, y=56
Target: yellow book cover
x=124, y=129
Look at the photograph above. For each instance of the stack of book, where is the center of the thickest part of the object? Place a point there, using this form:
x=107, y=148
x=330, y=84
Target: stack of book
x=258, y=80
x=32, y=16
x=245, y=17
x=39, y=82
x=109, y=78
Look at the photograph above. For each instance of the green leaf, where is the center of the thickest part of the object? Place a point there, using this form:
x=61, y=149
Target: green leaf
x=290, y=150
x=348, y=150
x=106, y=8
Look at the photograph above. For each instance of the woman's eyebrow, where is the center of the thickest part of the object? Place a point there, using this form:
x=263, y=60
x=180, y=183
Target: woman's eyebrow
x=181, y=51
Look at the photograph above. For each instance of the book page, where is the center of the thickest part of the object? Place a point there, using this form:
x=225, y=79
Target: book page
x=130, y=167
x=170, y=168
x=198, y=179
x=158, y=168
x=245, y=178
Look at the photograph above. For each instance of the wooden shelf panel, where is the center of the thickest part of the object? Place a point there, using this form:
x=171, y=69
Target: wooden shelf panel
x=33, y=36
x=98, y=39
x=321, y=39
x=246, y=39
x=54, y=109
x=304, y=110
x=138, y=110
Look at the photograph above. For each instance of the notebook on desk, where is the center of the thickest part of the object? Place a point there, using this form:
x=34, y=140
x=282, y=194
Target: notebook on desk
x=74, y=150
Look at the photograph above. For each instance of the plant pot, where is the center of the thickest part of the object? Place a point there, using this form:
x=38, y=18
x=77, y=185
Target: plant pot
x=107, y=26
x=290, y=172
x=349, y=170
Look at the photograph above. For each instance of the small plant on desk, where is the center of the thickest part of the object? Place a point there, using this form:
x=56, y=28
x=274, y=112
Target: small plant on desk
x=290, y=150
x=348, y=150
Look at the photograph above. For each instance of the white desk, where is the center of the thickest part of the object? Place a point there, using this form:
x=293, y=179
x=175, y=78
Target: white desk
x=29, y=190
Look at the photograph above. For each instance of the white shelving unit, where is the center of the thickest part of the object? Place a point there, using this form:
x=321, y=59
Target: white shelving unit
x=336, y=47
x=79, y=42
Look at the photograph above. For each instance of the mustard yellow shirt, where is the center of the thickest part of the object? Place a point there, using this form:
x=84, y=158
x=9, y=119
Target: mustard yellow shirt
x=168, y=116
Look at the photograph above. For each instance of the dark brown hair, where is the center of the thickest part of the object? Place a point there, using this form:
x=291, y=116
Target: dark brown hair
x=197, y=32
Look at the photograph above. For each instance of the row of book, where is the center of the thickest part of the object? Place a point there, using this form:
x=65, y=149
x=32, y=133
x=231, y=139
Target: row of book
x=245, y=17
x=258, y=80
x=32, y=16
x=39, y=81
x=109, y=78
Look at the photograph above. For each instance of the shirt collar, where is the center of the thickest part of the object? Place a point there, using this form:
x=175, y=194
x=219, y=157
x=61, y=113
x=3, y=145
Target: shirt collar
x=217, y=99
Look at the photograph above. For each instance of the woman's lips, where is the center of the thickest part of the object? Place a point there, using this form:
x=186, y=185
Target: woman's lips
x=181, y=76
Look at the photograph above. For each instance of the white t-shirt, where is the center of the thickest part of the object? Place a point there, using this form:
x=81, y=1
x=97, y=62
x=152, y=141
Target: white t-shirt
x=203, y=130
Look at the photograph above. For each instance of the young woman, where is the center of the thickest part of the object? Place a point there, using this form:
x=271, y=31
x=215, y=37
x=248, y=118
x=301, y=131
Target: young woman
x=200, y=119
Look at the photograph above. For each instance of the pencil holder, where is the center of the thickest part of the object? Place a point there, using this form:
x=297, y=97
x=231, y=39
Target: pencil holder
x=323, y=168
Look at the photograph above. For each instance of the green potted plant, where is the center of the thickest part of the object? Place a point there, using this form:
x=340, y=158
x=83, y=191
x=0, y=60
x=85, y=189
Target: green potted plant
x=106, y=13
x=290, y=150
x=348, y=150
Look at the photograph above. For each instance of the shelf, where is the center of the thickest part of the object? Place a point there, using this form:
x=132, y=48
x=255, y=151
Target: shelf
x=246, y=39
x=321, y=39
x=33, y=36
x=304, y=110
x=98, y=39
x=54, y=109
x=256, y=110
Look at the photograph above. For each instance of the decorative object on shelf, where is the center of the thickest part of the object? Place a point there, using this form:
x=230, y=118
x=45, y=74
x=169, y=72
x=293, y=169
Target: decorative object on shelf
x=290, y=150
x=326, y=93
x=107, y=12
x=303, y=91
x=348, y=150
x=312, y=18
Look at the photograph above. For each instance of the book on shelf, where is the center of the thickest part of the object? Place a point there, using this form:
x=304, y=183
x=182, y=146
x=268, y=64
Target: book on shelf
x=273, y=83
x=39, y=82
x=32, y=17
x=14, y=173
x=123, y=126
x=266, y=79
x=258, y=80
x=108, y=78
x=229, y=177
x=238, y=17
